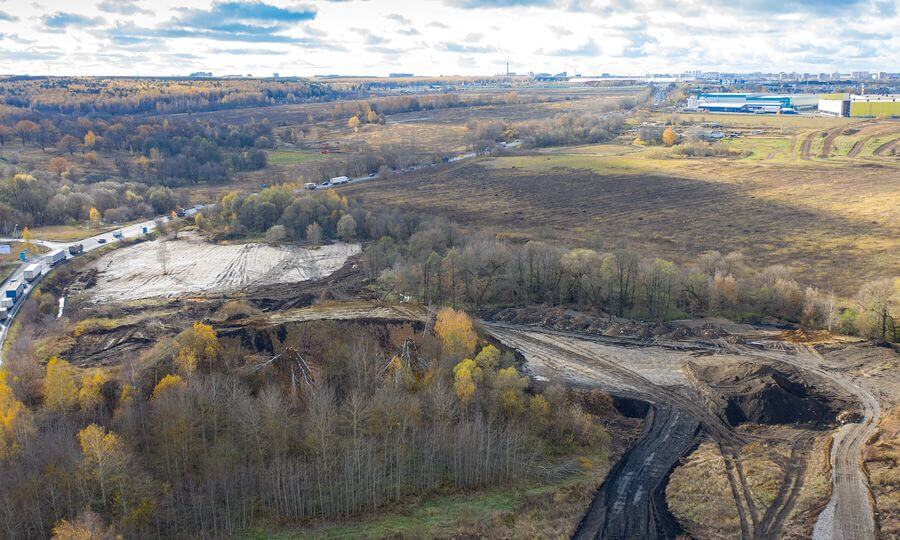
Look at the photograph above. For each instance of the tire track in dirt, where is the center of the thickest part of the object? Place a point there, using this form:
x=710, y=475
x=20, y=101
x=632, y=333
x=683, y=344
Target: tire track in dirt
x=858, y=146
x=849, y=514
x=789, y=489
x=668, y=435
x=828, y=143
x=881, y=150
x=570, y=356
x=871, y=132
x=807, y=144
x=541, y=345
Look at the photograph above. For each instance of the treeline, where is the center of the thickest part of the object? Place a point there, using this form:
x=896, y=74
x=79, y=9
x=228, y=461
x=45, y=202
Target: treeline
x=205, y=438
x=433, y=262
x=287, y=212
x=573, y=128
x=107, y=97
x=437, y=264
x=30, y=200
x=177, y=152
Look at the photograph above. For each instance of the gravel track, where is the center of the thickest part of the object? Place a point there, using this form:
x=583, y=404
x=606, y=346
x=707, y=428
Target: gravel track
x=628, y=503
x=849, y=514
x=563, y=355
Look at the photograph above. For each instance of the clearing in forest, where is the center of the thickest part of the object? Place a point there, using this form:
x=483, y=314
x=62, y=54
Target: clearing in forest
x=192, y=265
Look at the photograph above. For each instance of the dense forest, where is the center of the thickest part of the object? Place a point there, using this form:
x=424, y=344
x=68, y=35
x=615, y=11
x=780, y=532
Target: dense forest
x=203, y=437
x=97, y=96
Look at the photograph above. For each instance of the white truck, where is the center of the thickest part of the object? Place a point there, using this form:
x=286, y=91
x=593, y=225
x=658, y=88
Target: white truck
x=338, y=180
x=32, y=272
x=56, y=256
x=309, y=185
x=14, y=289
x=7, y=302
x=4, y=314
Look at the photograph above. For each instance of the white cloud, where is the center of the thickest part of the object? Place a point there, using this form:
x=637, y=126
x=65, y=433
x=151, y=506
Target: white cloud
x=306, y=37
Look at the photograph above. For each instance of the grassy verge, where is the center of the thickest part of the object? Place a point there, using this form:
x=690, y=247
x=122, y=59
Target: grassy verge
x=292, y=157
x=550, y=510
x=69, y=233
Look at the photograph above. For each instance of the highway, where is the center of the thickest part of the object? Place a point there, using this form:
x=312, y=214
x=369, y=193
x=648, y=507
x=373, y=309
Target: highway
x=374, y=176
x=91, y=243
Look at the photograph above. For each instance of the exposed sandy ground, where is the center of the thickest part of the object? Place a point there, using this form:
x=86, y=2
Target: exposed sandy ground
x=195, y=266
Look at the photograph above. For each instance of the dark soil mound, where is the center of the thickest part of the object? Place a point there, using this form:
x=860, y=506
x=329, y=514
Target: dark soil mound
x=765, y=394
x=603, y=325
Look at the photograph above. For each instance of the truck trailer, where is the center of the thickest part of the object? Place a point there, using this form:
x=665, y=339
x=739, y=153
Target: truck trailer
x=14, y=289
x=56, y=256
x=32, y=272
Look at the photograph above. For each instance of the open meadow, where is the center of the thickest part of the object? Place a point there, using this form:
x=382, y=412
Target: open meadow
x=833, y=219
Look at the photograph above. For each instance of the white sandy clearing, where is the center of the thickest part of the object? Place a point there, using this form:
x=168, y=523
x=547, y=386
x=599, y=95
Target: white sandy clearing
x=195, y=266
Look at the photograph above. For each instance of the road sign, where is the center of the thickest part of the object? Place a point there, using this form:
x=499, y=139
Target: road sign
x=4, y=249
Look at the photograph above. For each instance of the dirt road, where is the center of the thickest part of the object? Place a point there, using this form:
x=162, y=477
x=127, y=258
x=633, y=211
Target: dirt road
x=636, y=482
x=631, y=502
x=849, y=514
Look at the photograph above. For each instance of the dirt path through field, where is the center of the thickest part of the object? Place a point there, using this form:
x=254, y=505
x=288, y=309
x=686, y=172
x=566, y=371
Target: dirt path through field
x=849, y=514
x=828, y=143
x=586, y=361
x=807, y=144
x=654, y=373
x=883, y=149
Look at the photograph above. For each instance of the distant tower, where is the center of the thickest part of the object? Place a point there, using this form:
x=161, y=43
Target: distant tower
x=507, y=69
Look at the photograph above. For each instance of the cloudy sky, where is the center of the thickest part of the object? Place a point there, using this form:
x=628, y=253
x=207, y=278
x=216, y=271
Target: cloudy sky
x=433, y=37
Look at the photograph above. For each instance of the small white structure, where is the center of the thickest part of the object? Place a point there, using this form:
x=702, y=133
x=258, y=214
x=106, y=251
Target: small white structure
x=834, y=107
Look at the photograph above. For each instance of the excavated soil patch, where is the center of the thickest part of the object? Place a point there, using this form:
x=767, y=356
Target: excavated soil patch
x=191, y=265
x=765, y=393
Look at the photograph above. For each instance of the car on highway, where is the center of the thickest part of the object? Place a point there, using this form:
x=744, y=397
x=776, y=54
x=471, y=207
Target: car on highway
x=324, y=185
x=101, y=240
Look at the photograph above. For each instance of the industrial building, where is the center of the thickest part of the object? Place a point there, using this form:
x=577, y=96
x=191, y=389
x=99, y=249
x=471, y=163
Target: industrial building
x=752, y=103
x=860, y=105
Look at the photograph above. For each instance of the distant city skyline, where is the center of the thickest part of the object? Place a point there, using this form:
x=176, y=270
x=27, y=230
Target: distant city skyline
x=445, y=37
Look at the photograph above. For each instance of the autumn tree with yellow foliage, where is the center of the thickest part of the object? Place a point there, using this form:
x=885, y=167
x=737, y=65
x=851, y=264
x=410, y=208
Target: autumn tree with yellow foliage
x=94, y=217
x=668, y=136
x=104, y=457
x=15, y=420
x=60, y=388
x=89, y=396
x=456, y=332
x=196, y=346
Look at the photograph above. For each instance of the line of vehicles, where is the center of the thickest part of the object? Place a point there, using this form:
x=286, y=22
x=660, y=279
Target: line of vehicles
x=15, y=288
x=336, y=181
